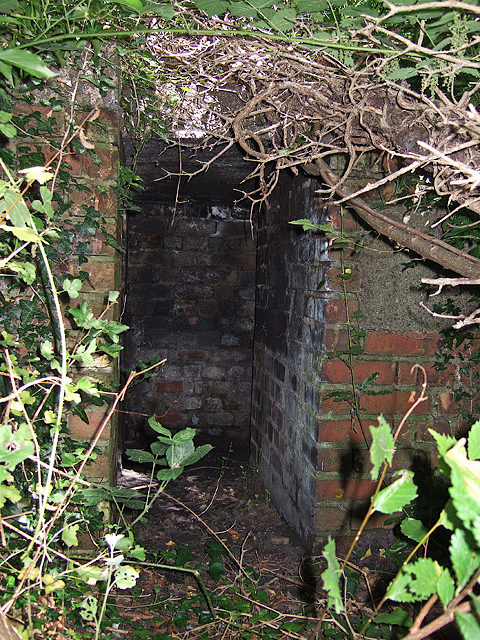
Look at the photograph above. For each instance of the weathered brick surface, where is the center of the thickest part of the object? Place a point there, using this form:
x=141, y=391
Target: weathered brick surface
x=190, y=299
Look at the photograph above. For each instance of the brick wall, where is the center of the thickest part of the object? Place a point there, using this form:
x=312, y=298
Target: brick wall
x=190, y=299
x=314, y=459
x=92, y=184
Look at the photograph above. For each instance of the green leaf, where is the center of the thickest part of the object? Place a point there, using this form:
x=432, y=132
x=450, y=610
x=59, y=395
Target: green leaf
x=382, y=446
x=468, y=624
x=465, y=489
x=15, y=446
x=178, y=453
x=87, y=386
x=72, y=287
x=158, y=448
x=165, y=11
x=474, y=442
x=126, y=577
x=198, y=454
x=23, y=234
x=26, y=270
x=397, y=616
x=427, y=573
x=7, y=492
x=397, y=495
x=69, y=535
x=215, y=570
x=135, y=5
x=186, y=435
x=27, y=61
x=88, y=608
x=165, y=475
x=213, y=7
x=464, y=557
x=138, y=455
x=402, y=74
x=8, y=6
x=158, y=427
x=399, y=590
x=17, y=209
x=413, y=529
x=138, y=553
x=113, y=296
x=331, y=576
x=90, y=497
x=39, y=174
x=445, y=587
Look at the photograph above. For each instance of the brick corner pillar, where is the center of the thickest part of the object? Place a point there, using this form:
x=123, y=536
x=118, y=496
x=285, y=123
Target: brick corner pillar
x=343, y=484
x=93, y=194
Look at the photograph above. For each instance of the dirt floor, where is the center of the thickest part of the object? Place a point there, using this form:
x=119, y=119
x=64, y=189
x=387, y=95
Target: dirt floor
x=221, y=499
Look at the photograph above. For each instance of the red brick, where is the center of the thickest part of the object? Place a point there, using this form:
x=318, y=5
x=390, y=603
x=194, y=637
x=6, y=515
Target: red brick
x=170, y=418
x=330, y=406
x=174, y=386
x=337, y=371
x=184, y=356
x=99, y=469
x=434, y=378
x=335, y=216
x=387, y=342
x=330, y=460
x=335, y=310
x=396, y=403
x=375, y=522
x=84, y=165
x=440, y=426
x=345, y=490
x=342, y=431
x=102, y=274
x=335, y=281
x=335, y=339
x=78, y=428
x=329, y=519
x=446, y=404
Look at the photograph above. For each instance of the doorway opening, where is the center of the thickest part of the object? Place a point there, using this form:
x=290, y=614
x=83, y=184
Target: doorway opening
x=190, y=299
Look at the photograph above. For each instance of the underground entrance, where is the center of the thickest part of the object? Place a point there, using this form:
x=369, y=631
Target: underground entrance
x=223, y=301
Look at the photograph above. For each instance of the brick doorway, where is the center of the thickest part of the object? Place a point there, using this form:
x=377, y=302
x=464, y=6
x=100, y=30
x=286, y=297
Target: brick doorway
x=190, y=298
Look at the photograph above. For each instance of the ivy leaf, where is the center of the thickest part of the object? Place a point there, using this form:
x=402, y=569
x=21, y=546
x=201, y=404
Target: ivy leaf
x=413, y=529
x=15, y=446
x=87, y=386
x=397, y=495
x=331, y=576
x=69, y=535
x=215, y=570
x=72, y=287
x=474, y=442
x=126, y=577
x=465, y=559
x=382, y=446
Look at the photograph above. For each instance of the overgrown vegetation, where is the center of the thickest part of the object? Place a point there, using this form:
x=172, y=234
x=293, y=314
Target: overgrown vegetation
x=310, y=79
